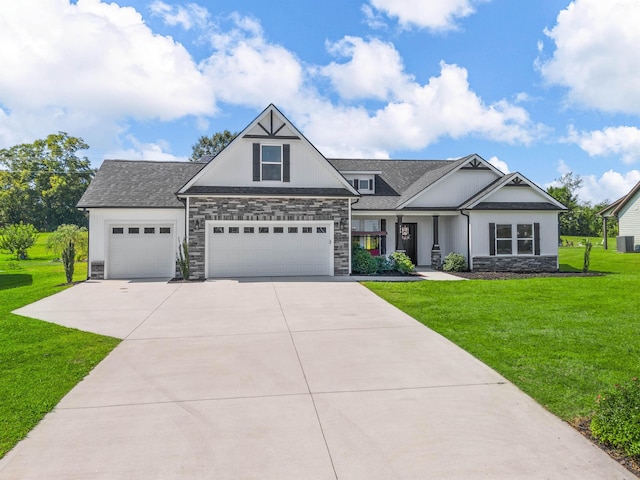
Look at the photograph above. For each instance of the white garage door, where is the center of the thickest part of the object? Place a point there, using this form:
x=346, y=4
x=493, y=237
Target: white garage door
x=141, y=251
x=249, y=249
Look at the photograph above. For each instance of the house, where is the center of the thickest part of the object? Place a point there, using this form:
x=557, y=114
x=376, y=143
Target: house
x=271, y=204
x=627, y=211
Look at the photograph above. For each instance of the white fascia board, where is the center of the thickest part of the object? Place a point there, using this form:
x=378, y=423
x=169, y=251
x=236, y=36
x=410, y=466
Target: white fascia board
x=404, y=213
x=199, y=195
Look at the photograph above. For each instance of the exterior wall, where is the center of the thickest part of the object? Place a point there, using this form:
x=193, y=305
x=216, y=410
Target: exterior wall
x=234, y=167
x=213, y=208
x=480, y=240
x=629, y=219
x=455, y=189
x=455, y=230
x=101, y=218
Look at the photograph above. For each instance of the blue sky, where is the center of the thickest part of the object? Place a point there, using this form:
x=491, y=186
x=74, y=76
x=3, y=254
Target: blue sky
x=542, y=88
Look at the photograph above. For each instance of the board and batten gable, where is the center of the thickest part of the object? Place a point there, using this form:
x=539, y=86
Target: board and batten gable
x=234, y=166
x=629, y=218
x=457, y=186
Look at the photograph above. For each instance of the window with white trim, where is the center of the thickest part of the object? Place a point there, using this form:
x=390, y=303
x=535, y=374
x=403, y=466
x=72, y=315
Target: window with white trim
x=271, y=162
x=514, y=239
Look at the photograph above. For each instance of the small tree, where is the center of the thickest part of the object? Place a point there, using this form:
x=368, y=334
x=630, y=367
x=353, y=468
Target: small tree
x=587, y=256
x=59, y=240
x=182, y=258
x=18, y=238
x=68, y=259
x=212, y=145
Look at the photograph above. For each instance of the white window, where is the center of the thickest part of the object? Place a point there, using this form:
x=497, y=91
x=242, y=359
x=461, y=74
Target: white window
x=271, y=162
x=515, y=239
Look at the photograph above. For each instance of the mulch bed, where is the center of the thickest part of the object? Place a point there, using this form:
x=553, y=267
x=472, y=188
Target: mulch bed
x=516, y=276
x=630, y=463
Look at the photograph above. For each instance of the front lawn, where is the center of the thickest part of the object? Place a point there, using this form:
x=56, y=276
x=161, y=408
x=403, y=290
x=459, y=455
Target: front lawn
x=39, y=361
x=561, y=340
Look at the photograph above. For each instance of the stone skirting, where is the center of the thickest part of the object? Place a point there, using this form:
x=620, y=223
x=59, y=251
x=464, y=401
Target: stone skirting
x=97, y=271
x=536, y=263
x=267, y=209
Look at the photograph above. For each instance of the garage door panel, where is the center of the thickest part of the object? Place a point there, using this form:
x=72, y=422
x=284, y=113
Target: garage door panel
x=287, y=249
x=141, y=255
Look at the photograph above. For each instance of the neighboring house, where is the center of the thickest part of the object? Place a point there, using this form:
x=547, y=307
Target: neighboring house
x=271, y=204
x=627, y=211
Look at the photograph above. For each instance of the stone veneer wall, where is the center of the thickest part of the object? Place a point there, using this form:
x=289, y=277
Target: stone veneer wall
x=97, y=270
x=536, y=263
x=269, y=209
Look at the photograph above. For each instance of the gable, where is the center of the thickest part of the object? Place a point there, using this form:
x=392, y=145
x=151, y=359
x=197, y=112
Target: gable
x=469, y=176
x=513, y=192
x=631, y=205
x=269, y=154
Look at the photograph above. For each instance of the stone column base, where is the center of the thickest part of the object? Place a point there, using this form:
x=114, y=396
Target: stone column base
x=436, y=259
x=97, y=270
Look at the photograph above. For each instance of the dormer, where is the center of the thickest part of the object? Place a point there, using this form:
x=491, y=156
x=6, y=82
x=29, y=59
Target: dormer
x=363, y=181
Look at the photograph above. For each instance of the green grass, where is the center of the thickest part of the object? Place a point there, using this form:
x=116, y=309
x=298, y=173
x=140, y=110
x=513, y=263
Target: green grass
x=39, y=361
x=561, y=340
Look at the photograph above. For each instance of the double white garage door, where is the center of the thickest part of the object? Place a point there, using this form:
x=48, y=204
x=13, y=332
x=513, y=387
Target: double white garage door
x=233, y=249
x=247, y=249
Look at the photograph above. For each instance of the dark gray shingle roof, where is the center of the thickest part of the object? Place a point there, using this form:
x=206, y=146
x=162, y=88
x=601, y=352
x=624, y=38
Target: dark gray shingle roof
x=399, y=181
x=126, y=184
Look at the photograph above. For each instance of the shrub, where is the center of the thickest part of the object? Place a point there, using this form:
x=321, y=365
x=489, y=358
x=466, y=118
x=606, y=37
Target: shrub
x=18, y=238
x=617, y=417
x=454, y=262
x=383, y=265
x=68, y=260
x=182, y=259
x=400, y=262
x=59, y=240
x=362, y=262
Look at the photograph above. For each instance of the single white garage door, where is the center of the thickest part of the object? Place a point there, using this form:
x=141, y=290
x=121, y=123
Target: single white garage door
x=141, y=251
x=250, y=249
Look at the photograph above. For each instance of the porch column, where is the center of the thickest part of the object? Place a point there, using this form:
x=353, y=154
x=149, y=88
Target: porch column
x=399, y=244
x=604, y=232
x=436, y=242
x=436, y=254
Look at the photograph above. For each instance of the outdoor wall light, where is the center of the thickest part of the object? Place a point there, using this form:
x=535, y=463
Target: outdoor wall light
x=344, y=222
x=197, y=224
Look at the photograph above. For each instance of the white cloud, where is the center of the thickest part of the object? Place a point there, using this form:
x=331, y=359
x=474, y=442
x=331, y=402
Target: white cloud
x=372, y=19
x=144, y=151
x=418, y=117
x=375, y=69
x=187, y=16
x=596, y=54
x=610, y=186
x=431, y=14
x=247, y=70
x=112, y=66
x=619, y=141
x=499, y=164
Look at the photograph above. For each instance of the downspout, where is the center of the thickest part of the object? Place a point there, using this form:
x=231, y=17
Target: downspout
x=88, y=214
x=351, y=205
x=468, y=239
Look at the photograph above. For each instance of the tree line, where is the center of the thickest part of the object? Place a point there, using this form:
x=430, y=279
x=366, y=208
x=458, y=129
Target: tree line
x=41, y=182
x=581, y=218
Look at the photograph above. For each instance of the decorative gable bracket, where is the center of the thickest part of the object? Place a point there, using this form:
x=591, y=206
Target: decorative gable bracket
x=271, y=131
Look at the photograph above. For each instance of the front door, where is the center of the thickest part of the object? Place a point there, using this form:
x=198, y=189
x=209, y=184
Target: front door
x=408, y=241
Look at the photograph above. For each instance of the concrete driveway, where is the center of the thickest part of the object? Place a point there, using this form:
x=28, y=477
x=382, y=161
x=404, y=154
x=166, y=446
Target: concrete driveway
x=287, y=379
